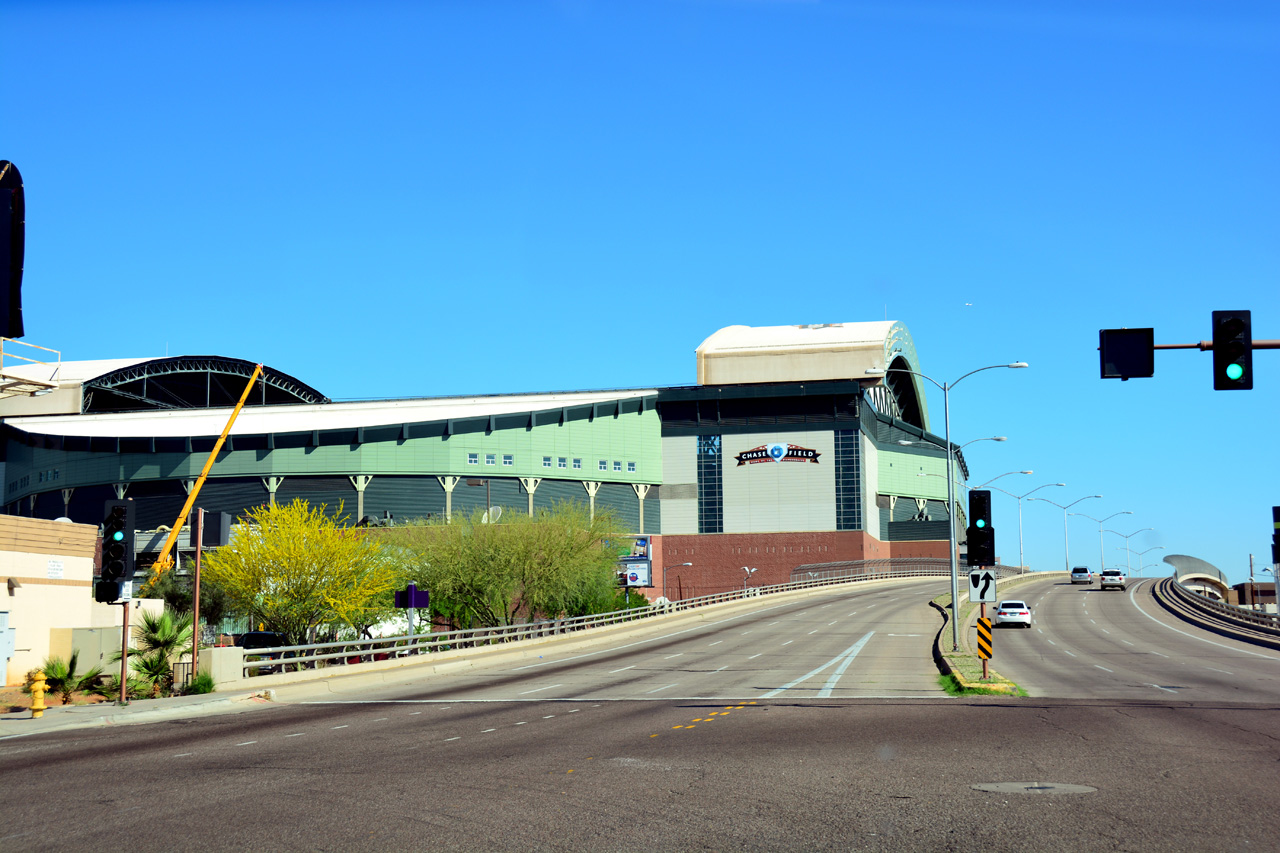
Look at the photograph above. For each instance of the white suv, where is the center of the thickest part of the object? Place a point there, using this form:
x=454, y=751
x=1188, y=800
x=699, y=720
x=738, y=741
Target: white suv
x=1081, y=574
x=1111, y=578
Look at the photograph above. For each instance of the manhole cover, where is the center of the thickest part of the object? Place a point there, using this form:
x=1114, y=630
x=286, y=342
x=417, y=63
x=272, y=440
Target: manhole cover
x=1032, y=788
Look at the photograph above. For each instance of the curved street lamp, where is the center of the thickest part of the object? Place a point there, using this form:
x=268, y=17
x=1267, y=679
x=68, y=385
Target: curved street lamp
x=1102, y=557
x=1021, y=562
x=1066, y=545
x=951, y=501
x=1140, y=553
x=1126, y=541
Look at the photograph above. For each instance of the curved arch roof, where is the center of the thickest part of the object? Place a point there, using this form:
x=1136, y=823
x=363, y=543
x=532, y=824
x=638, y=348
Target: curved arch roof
x=1185, y=567
x=737, y=355
x=151, y=384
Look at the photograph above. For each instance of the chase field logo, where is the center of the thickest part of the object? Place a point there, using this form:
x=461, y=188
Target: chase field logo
x=777, y=453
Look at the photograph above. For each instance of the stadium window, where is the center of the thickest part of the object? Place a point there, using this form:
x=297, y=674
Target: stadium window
x=562, y=462
x=577, y=464
x=491, y=459
x=631, y=467
x=546, y=462
x=508, y=460
x=604, y=466
x=617, y=466
x=473, y=458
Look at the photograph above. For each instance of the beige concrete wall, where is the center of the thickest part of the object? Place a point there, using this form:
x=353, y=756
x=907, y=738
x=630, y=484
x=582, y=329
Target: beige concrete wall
x=46, y=585
x=777, y=497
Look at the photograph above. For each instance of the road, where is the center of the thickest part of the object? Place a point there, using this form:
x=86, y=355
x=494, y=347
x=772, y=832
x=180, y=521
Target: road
x=1086, y=643
x=706, y=736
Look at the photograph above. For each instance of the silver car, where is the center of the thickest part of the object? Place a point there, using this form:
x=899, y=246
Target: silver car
x=1081, y=574
x=1112, y=579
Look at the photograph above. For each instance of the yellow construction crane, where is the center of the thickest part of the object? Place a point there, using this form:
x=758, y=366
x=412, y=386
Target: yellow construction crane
x=164, y=562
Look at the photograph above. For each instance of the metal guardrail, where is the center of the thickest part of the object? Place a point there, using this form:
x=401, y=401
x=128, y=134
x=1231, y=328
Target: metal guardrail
x=1265, y=623
x=281, y=658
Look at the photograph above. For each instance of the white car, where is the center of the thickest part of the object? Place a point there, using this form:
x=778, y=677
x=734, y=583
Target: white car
x=1112, y=579
x=1013, y=613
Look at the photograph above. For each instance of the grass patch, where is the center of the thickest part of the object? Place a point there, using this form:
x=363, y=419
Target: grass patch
x=953, y=688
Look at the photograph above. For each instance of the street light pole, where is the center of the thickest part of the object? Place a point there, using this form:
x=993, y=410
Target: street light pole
x=1127, y=564
x=664, y=576
x=951, y=505
x=1102, y=556
x=1021, y=560
x=1066, y=542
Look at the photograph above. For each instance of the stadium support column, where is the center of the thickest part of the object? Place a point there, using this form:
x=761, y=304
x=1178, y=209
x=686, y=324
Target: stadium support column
x=592, y=489
x=448, y=483
x=272, y=483
x=361, y=482
x=530, y=486
x=66, y=501
x=641, y=489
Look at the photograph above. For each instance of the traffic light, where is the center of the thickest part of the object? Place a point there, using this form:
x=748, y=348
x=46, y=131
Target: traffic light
x=117, y=543
x=1232, y=351
x=982, y=536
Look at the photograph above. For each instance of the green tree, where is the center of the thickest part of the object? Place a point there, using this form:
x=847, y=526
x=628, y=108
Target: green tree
x=62, y=678
x=553, y=563
x=293, y=568
x=160, y=640
x=175, y=588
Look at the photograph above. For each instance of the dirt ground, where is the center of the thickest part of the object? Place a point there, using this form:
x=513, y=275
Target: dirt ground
x=13, y=699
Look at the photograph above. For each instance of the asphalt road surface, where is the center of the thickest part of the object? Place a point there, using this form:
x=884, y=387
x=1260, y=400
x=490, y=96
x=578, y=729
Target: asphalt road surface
x=591, y=751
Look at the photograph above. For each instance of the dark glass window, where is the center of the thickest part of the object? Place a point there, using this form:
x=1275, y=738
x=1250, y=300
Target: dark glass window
x=710, y=491
x=848, y=481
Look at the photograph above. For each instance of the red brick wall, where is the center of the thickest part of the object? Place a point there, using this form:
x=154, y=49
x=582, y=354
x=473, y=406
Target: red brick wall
x=718, y=558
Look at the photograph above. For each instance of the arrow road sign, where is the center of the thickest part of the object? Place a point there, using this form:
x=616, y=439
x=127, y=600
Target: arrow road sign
x=982, y=587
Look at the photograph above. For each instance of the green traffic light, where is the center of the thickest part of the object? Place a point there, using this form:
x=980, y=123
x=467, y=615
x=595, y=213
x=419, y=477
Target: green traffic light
x=118, y=535
x=980, y=523
x=1234, y=371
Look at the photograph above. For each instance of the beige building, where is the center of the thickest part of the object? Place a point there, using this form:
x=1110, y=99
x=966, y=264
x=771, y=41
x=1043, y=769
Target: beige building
x=47, y=606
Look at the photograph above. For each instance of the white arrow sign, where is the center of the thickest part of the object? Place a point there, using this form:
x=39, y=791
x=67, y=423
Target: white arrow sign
x=982, y=587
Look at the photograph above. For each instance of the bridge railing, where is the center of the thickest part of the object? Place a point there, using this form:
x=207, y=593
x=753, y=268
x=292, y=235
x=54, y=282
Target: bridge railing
x=1230, y=613
x=310, y=656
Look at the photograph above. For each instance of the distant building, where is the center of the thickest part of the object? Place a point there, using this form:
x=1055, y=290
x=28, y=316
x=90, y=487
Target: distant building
x=794, y=448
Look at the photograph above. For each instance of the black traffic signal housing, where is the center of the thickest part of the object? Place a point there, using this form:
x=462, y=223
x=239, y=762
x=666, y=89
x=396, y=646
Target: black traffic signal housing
x=117, y=549
x=982, y=536
x=1232, y=351
x=1127, y=353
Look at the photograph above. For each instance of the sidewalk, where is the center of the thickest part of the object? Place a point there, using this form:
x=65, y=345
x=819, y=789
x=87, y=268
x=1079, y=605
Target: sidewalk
x=65, y=717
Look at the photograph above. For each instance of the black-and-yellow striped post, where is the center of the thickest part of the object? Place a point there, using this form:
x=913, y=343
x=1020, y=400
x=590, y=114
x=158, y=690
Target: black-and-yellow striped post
x=984, y=643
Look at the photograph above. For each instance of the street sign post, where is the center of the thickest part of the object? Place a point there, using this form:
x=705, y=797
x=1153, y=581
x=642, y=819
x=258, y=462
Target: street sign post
x=982, y=586
x=984, y=643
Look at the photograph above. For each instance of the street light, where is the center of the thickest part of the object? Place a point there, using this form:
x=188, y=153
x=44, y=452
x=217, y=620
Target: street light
x=749, y=572
x=951, y=501
x=1022, y=564
x=1005, y=474
x=1102, y=557
x=1066, y=548
x=664, y=577
x=1126, y=541
x=1140, y=553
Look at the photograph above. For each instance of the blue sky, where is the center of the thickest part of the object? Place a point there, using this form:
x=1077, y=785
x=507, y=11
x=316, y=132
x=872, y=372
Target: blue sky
x=392, y=199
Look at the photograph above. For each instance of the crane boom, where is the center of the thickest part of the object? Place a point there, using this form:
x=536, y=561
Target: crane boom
x=163, y=563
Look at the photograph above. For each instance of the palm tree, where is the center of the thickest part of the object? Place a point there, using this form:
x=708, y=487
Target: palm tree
x=160, y=640
x=63, y=679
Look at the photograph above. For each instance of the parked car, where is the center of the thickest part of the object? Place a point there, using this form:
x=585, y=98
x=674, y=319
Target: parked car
x=1081, y=574
x=262, y=640
x=1013, y=613
x=1111, y=579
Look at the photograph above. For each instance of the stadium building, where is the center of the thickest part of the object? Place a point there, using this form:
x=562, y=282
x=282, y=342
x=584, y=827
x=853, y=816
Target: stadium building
x=795, y=448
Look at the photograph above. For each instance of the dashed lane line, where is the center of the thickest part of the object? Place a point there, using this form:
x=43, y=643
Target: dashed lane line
x=539, y=689
x=624, y=669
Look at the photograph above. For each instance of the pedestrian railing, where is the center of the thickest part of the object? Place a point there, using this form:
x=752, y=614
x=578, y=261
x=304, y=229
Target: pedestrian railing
x=283, y=658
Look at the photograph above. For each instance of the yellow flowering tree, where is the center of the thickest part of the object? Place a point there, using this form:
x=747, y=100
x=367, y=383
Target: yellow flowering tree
x=294, y=568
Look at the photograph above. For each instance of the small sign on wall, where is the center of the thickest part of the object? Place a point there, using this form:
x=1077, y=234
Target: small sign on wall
x=54, y=570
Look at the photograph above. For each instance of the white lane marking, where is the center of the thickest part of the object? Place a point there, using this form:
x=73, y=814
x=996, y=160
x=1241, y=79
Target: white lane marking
x=835, y=676
x=459, y=737
x=1157, y=653
x=1126, y=642
x=1065, y=652
x=904, y=635
x=1134, y=602
x=522, y=723
x=548, y=716
x=869, y=606
x=380, y=719
x=247, y=743
x=486, y=731
x=676, y=655
x=744, y=633
x=1165, y=689
x=854, y=613
x=771, y=624
x=414, y=713
x=788, y=642
x=624, y=669
x=1104, y=630
x=1215, y=669
x=1103, y=668
x=656, y=689
x=343, y=726
x=1039, y=630
x=726, y=666
x=575, y=710
x=179, y=755
x=716, y=643
x=1051, y=642
x=1095, y=623
x=539, y=689
x=811, y=633
x=850, y=653
x=753, y=657
x=296, y=734
x=825, y=605
x=829, y=624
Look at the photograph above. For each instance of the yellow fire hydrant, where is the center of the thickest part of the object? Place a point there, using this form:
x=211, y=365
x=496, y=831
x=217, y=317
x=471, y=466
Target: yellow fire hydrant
x=39, y=687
